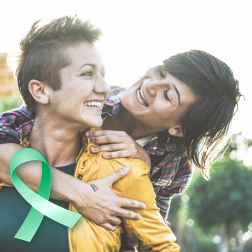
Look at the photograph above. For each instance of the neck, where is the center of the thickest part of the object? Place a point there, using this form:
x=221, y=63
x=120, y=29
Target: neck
x=124, y=121
x=59, y=145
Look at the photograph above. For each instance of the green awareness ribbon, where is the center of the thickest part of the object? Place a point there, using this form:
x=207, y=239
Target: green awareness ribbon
x=39, y=201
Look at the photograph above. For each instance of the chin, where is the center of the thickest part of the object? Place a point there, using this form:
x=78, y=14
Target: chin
x=91, y=120
x=96, y=123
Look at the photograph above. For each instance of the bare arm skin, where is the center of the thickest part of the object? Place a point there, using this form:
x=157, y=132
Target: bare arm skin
x=103, y=208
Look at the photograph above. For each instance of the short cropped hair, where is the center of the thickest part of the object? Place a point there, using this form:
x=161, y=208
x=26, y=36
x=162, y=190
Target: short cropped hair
x=206, y=122
x=43, y=53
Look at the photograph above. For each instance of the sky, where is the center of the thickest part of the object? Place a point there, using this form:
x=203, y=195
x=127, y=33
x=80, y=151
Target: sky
x=140, y=34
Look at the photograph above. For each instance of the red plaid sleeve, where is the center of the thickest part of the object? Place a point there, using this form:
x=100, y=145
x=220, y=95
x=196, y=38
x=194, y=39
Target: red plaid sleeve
x=14, y=125
x=177, y=185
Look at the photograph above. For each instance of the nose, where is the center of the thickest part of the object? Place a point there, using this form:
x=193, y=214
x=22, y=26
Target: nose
x=151, y=87
x=101, y=86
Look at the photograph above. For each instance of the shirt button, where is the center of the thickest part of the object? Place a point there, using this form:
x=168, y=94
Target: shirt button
x=79, y=177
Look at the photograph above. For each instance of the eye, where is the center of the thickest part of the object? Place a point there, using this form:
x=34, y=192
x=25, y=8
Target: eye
x=88, y=73
x=165, y=95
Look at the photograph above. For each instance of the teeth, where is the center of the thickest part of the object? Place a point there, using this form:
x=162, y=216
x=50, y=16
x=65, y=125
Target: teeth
x=141, y=91
x=93, y=104
x=141, y=98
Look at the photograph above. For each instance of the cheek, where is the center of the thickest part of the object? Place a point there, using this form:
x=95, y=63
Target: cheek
x=127, y=102
x=163, y=112
x=167, y=117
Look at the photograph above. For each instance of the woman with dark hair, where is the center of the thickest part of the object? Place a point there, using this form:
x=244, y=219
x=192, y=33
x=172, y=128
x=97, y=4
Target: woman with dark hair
x=178, y=112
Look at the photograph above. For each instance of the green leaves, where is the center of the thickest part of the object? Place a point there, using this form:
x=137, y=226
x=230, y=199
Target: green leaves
x=225, y=198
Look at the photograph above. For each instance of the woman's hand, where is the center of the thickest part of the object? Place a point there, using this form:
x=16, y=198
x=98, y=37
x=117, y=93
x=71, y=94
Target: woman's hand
x=117, y=144
x=104, y=207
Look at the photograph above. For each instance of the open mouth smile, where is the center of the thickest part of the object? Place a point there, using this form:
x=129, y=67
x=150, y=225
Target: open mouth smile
x=94, y=104
x=141, y=98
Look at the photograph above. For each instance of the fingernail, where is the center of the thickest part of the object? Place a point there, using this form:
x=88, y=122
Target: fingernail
x=143, y=206
x=92, y=148
x=139, y=216
x=104, y=154
x=87, y=133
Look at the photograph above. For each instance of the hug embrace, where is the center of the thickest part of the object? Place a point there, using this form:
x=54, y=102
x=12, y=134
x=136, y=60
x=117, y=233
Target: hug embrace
x=137, y=146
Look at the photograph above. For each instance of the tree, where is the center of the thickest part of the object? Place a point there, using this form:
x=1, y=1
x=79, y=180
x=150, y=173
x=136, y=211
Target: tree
x=225, y=200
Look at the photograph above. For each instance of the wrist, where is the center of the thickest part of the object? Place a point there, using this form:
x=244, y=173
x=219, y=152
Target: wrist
x=80, y=193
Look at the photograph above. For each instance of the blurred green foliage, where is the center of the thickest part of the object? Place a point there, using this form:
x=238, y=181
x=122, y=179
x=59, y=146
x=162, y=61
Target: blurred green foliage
x=220, y=208
x=10, y=102
x=224, y=198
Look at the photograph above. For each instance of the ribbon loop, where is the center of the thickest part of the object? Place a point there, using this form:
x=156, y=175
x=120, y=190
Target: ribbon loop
x=39, y=201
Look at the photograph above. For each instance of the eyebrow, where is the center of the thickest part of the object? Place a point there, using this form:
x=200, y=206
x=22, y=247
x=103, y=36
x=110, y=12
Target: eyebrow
x=176, y=92
x=88, y=64
x=93, y=66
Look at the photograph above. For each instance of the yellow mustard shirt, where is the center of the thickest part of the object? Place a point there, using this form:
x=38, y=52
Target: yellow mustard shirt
x=150, y=231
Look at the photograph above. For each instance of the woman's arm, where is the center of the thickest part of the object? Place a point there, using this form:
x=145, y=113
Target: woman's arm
x=177, y=176
x=100, y=208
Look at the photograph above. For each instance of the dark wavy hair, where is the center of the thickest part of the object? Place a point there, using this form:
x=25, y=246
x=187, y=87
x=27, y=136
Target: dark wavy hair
x=43, y=53
x=206, y=122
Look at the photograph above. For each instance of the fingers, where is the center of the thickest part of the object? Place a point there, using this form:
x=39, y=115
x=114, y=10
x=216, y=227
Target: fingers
x=107, y=139
x=104, y=132
x=117, y=175
x=131, y=204
x=129, y=214
x=118, y=154
x=108, y=226
x=116, y=150
x=111, y=179
x=109, y=147
x=107, y=136
x=115, y=221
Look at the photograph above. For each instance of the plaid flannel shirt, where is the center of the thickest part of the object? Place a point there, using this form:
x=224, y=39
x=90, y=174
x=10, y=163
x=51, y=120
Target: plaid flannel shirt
x=170, y=174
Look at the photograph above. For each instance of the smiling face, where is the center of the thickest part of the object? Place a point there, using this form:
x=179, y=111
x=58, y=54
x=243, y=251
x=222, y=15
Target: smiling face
x=83, y=88
x=158, y=100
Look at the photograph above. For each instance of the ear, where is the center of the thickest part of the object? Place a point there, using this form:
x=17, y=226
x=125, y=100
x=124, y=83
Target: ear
x=39, y=91
x=176, y=131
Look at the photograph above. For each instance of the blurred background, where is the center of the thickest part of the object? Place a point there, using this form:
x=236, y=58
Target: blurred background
x=214, y=215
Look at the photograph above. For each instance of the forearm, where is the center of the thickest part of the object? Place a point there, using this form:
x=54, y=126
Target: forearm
x=7, y=151
x=62, y=188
